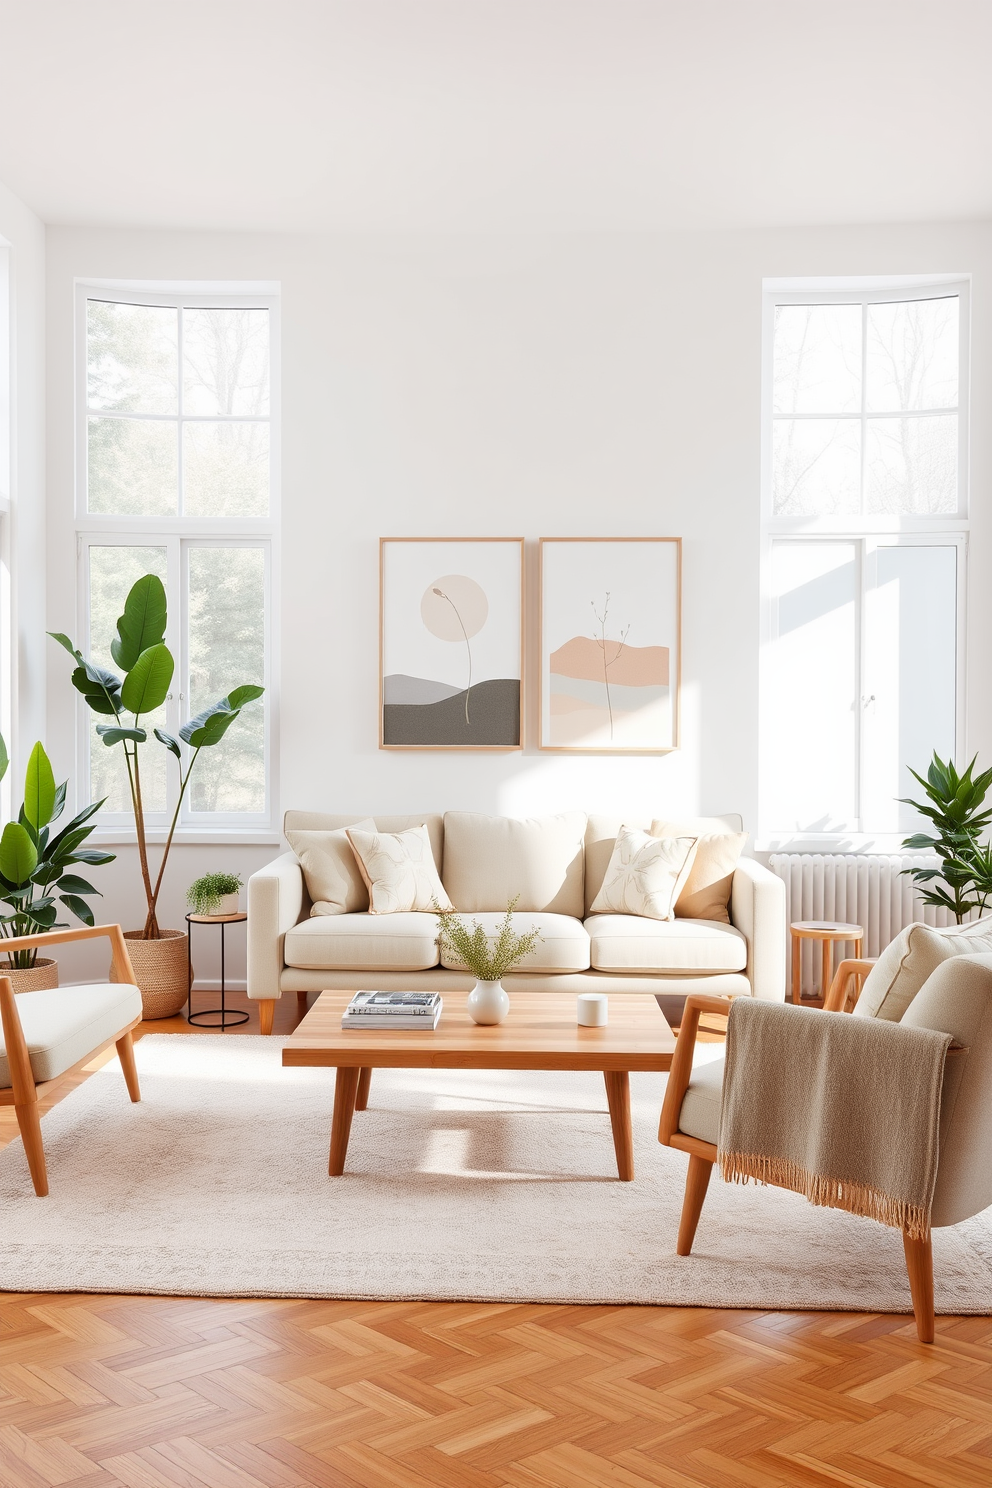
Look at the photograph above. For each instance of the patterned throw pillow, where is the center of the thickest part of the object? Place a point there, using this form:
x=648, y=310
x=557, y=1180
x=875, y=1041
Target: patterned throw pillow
x=399, y=869
x=645, y=875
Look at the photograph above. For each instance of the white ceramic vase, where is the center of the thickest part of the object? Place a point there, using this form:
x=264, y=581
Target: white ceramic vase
x=488, y=1003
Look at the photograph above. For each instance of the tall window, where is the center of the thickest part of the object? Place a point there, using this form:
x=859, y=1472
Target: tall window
x=175, y=456
x=865, y=475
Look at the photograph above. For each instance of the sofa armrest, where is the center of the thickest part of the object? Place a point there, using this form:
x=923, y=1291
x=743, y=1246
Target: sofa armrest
x=275, y=902
x=757, y=909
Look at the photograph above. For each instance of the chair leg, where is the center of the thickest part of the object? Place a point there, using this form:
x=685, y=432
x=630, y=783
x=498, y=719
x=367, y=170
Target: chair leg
x=266, y=1013
x=919, y=1264
x=29, y=1122
x=696, y=1183
x=125, y=1053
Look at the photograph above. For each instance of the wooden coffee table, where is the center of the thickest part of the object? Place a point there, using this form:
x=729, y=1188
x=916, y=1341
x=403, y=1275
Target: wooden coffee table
x=540, y=1034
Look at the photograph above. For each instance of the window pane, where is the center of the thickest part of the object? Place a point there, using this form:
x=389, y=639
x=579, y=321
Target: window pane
x=112, y=572
x=910, y=678
x=816, y=467
x=132, y=357
x=810, y=678
x=817, y=359
x=227, y=648
x=911, y=465
x=912, y=355
x=226, y=470
x=226, y=362
x=132, y=467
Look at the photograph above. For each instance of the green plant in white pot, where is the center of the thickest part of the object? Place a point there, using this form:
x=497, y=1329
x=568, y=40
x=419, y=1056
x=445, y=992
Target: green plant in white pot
x=215, y=893
x=146, y=666
x=34, y=870
x=488, y=956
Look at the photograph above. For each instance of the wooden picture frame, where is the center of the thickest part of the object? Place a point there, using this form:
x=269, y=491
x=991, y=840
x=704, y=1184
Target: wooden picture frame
x=451, y=643
x=610, y=645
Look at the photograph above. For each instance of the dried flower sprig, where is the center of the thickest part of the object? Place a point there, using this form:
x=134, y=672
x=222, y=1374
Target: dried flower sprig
x=487, y=958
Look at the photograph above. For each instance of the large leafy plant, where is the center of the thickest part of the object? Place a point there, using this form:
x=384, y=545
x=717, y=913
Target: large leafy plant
x=34, y=861
x=146, y=665
x=955, y=806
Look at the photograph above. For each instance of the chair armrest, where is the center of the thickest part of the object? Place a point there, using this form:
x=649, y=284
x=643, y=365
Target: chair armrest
x=836, y=999
x=681, y=1071
x=120, y=960
x=757, y=909
x=275, y=902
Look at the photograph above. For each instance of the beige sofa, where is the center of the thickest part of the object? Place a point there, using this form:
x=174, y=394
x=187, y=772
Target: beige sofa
x=557, y=866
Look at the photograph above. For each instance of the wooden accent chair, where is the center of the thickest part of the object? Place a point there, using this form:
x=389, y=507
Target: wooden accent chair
x=955, y=999
x=50, y=1035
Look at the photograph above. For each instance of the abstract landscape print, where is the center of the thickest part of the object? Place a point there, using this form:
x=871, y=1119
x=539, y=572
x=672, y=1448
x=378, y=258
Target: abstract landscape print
x=450, y=643
x=610, y=643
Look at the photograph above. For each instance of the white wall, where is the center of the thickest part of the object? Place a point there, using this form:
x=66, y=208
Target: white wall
x=22, y=239
x=469, y=386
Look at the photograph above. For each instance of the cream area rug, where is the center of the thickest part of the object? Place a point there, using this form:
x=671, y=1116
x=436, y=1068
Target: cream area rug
x=485, y=1186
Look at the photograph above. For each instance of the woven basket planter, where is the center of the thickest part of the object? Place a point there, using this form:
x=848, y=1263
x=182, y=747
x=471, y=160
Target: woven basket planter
x=37, y=978
x=161, y=971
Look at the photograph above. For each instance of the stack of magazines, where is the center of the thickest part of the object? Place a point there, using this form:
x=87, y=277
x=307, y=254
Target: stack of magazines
x=393, y=1010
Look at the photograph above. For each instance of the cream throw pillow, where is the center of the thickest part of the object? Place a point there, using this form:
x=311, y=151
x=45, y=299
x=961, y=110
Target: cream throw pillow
x=334, y=881
x=399, y=869
x=706, y=893
x=645, y=875
x=908, y=961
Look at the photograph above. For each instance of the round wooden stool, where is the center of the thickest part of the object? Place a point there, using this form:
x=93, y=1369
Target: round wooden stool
x=825, y=931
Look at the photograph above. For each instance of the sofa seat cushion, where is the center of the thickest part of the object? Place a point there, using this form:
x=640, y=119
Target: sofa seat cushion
x=364, y=942
x=63, y=1024
x=564, y=943
x=700, y=1114
x=632, y=943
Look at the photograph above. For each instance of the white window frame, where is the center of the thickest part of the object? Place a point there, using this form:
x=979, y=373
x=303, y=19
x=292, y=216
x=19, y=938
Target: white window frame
x=868, y=531
x=177, y=535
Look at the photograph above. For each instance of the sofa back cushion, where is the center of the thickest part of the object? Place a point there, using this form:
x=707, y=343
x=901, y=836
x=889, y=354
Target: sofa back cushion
x=601, y=836
x=489, y=860
x=321, y=821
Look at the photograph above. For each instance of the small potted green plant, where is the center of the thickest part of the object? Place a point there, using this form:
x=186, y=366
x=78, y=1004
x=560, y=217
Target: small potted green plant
x=34, y=864
x=215, y=894
x=487, y=956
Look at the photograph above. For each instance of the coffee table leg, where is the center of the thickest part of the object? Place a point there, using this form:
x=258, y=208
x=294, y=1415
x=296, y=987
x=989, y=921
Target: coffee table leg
x=618, y=1095
x=345, y=1090
x=364, y=1081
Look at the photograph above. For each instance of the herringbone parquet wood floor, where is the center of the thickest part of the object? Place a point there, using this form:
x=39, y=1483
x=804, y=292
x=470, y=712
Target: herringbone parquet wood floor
x=155, y=1392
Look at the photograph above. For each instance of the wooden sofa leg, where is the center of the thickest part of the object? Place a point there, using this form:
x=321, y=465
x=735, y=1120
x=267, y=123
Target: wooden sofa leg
x=919, y=1264
x=29, y=1122
x=696, y=1183
x=125, y=1053
x=266, y=1013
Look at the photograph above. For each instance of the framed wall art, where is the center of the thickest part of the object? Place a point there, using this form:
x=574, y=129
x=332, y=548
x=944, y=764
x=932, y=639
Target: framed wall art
x=451, y=642
x=610, y=643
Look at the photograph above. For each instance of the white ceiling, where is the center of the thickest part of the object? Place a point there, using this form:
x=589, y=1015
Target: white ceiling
x=332, y=115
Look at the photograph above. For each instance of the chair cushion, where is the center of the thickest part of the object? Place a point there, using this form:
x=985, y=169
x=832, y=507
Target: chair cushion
x=700, y=1114
x=489, y=860
x=364, y=942
x=564, y=945
x=631, y=943
x=63, y=1024
x=334, y=880
x=908, y=961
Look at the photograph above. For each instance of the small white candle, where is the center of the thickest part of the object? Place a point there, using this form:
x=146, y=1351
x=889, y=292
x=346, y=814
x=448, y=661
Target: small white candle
x=593, y=1009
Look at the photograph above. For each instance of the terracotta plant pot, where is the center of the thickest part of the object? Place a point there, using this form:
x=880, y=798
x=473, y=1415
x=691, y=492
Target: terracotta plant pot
x=161, y=971
x=43, y=974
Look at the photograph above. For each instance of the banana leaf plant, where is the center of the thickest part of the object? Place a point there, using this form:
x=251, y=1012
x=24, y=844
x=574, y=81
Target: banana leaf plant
x=146, y=665
x=34, y=860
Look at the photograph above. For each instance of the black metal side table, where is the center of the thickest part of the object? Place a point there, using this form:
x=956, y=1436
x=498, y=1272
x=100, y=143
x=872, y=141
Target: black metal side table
x=227, y=1019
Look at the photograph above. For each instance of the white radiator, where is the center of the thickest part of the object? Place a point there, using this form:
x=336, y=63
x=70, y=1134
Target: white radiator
x=863, y=890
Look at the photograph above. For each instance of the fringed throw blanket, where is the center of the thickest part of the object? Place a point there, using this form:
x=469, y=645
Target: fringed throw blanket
x=844, y=1110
